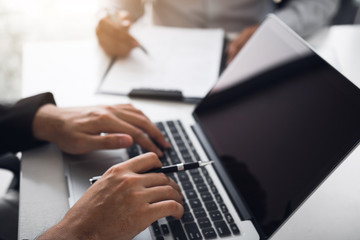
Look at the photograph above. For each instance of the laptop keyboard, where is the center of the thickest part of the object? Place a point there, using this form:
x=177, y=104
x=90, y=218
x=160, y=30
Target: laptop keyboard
x=206, y=216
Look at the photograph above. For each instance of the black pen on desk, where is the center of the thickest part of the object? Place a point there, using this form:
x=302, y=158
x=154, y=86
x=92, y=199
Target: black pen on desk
x=169, y=169
x=118, y=23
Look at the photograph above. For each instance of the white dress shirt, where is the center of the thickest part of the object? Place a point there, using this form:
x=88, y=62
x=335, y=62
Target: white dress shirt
x=303, y=16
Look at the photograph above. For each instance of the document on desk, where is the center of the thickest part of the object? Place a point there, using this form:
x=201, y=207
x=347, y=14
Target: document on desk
x=178, y=59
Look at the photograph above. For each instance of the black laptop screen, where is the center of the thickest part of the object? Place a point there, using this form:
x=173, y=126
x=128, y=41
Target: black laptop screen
x=280, y=133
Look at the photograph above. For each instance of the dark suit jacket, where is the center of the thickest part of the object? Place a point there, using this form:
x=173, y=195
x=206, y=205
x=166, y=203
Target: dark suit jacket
x=16, y=123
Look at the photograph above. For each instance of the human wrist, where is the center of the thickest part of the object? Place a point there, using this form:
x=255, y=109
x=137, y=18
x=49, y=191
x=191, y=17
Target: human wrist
x=60, y=232
x=46, y=122
x=55, y=232
x=69, y=228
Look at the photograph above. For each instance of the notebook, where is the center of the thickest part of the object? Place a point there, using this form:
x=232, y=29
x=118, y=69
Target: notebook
x=277, y=123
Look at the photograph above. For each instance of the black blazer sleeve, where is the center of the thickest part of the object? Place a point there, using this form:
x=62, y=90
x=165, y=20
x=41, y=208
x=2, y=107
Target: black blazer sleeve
x=16, y=123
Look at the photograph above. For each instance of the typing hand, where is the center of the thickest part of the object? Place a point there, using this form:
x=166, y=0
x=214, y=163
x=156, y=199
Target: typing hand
x=122, y=203
x=113, y=35
x=80, y=130
x=236, y=44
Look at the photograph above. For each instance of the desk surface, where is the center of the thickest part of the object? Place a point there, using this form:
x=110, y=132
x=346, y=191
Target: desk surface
x=332, y=212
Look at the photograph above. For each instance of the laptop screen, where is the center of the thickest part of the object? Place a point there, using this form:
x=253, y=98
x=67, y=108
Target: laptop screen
x=279, y=131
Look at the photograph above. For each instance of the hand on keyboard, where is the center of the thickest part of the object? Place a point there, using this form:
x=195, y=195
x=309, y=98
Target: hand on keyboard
x=122, y=203
x=79, y=130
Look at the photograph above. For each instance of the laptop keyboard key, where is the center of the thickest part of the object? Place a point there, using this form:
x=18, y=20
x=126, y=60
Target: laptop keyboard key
x=194, y=172
x=186, y=156
x=164, y=161
x=222, y=229
x=133, y=151
x=209, y=233
x=181, y=147
x=187, y=185
x=205, y=172
x=211, y=206
x=199, y=212
x=160, y=126
x=171, y=124
x=223, y=208
x=175, y=160
x=177, y=230
x=204, y=222
x=215, y=215
x=195, y=203
x=191, y=194
x=183, y=177
x=165, y=229
x=186, y=207
x=229, y=218
x=213, y=189
x=235, y=230
x=202, y=188
x=218, y=198
x=171, y=152
x=198, y=179
x=209, y=180
x=193, y=231
x=206, y=197
x=196, y=155
x=187, y=217
x=156, y=228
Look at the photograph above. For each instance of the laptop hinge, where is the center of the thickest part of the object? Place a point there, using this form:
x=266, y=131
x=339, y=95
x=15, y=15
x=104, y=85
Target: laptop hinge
x=234, y=195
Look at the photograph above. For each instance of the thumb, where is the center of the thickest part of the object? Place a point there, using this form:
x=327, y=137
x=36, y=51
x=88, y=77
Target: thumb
x=111, y=141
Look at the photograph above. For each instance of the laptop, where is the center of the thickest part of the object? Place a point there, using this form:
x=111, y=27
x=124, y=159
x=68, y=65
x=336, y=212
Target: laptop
x=277, y=123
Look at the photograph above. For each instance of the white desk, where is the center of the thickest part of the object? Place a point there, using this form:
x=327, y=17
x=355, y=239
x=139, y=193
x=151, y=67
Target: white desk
x=332, y=212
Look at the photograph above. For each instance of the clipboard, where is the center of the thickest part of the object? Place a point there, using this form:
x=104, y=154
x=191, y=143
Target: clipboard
x=182, y=65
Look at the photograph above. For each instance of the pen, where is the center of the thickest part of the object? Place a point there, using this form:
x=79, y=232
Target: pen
x=118, y=23
x=169, y=169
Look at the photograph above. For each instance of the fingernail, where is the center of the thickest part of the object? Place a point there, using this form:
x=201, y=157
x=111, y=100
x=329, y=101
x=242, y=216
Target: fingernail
x=159, y=153
x=126, y=23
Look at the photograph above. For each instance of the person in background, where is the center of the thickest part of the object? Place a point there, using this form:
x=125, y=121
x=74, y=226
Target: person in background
x=119, y=205
x=242, y=17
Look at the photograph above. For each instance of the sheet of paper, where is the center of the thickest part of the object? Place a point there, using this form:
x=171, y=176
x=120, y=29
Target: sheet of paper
x=187, y=60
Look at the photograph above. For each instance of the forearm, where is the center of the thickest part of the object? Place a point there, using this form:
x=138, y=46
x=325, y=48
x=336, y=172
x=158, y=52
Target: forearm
x=16, y=123
x=307, y=16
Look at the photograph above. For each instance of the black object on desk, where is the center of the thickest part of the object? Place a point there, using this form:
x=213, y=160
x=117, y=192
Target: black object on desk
x=160, y=94
x=175, y=95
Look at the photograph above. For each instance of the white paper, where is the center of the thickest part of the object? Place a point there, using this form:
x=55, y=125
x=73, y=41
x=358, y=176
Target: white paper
x=187, y=60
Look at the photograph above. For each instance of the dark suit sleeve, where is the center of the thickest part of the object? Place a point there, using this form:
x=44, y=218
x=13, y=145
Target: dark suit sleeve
x=16, y=133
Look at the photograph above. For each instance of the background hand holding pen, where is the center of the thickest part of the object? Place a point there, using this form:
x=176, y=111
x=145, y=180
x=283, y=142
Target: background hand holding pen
x=113, y=34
